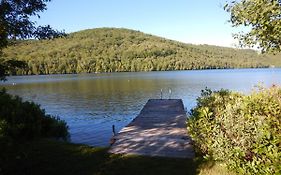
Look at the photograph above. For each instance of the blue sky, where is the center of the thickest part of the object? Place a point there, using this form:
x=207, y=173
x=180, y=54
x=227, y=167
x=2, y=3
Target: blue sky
x=189, y=21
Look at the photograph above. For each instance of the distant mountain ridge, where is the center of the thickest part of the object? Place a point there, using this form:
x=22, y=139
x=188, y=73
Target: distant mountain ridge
x=119, y=50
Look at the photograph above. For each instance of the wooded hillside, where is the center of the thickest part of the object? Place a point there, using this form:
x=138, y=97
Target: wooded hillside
x=116, y=50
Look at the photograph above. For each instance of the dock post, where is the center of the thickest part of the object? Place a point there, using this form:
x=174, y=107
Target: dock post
x=113, y=130
x=170, y=92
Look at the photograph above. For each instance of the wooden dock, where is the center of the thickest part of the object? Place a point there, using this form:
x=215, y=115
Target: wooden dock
x=159, y=130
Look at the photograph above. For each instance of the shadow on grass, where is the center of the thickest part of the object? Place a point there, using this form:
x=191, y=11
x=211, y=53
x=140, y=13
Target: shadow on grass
x=51, y=157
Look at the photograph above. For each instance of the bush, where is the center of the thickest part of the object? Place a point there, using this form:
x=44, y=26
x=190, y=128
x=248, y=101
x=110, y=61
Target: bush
x=243, y=131
x=21, y=120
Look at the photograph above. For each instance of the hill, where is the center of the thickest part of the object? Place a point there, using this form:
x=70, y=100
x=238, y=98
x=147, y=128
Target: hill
x=116, y=50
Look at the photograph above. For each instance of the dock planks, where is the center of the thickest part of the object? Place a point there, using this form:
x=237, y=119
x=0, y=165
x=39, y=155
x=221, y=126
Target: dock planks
x=159, y=130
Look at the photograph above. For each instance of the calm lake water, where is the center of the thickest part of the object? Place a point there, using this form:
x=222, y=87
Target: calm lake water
x=92, y=103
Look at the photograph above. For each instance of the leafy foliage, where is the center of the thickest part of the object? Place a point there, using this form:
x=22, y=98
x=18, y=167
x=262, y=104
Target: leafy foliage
x=116, y=50
x=46, y=32
x=263, y=17
x=10, y=67
x=16, y=23
x=15, y=17
x=25, y=120
x=242, y=131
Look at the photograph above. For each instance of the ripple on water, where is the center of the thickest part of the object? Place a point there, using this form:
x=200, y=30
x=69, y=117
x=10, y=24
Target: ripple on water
x=92, y=103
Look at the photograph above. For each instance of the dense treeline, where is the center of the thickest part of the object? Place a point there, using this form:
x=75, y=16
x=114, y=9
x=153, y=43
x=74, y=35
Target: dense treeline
x=116, y=50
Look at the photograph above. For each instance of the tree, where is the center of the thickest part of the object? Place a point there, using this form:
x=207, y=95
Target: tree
x=46, y=32
x=15, y=19
x=10, y=66
x=263, y=17
x=15, y=23
x=21, y=120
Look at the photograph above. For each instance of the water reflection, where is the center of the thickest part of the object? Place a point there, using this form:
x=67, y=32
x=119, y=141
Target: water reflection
x=92, y=103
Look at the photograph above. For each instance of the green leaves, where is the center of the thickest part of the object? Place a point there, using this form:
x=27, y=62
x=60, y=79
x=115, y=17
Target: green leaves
x=263, y=17
x=15, y=19
x=123, y=50
x=21, y=120
x=10, y=67
x=242, y=131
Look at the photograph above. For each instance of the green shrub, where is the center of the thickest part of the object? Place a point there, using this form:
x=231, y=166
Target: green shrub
x=244, y=131
x=54, y=127
x=21, y=120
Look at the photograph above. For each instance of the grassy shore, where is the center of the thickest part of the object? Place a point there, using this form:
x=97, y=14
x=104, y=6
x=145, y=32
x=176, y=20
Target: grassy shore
x=52, y=157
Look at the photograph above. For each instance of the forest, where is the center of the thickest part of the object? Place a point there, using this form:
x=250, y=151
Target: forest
x=123, y=50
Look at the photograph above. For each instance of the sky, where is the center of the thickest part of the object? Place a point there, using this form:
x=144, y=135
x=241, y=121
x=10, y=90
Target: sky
x=188, y=21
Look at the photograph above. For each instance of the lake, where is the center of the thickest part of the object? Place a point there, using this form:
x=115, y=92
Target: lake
x=92, y=103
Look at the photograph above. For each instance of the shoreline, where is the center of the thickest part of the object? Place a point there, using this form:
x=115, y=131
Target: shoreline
x=99, y=73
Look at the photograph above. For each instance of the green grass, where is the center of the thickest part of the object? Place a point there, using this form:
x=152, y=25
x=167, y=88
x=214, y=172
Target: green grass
x=51, y=157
